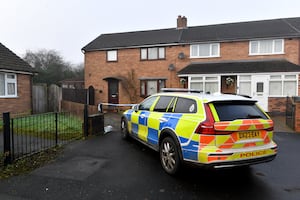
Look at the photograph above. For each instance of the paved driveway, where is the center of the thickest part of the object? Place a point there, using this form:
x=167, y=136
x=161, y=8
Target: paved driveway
x=106, y=167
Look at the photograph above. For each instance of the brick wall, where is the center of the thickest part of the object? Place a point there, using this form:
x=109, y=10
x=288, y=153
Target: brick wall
x=21, y=104
x=277, y=105
x=96, y=67
x=297, y=117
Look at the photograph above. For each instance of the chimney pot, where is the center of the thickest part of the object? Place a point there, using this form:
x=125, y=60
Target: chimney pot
x=181, y=22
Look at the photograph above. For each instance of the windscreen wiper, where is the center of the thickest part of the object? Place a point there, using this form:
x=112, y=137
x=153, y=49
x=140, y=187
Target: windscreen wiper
x=254, y=116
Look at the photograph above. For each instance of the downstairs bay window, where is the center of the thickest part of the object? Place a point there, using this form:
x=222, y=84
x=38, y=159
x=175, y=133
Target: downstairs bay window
x=207, y=84
x=283, y=85
x=8, y=85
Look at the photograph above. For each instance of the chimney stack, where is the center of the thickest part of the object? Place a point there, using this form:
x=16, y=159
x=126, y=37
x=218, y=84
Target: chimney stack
x=181, y=22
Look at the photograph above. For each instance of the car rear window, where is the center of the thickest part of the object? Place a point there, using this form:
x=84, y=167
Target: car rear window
x=229, y=111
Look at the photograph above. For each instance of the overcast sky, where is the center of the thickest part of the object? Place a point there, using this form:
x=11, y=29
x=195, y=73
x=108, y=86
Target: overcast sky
x=68, y=25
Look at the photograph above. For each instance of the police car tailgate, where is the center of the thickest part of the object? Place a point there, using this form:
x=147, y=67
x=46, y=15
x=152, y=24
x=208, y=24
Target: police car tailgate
x=243, y=133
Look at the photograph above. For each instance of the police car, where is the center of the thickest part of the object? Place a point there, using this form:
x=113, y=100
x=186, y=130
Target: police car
x=216, y=130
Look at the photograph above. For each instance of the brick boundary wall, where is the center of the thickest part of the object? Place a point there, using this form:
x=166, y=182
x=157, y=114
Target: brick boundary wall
x=277, y=105
x=297, y=114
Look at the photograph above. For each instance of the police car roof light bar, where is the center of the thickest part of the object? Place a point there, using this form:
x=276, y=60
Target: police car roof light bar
x=180, y=90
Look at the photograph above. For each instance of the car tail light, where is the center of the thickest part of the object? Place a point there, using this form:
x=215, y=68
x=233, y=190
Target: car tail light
x=207, y=126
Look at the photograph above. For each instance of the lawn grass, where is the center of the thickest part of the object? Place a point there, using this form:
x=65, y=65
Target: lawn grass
x=44, y=126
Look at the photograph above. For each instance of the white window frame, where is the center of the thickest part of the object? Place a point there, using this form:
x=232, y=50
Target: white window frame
x=7, y=81
x=160, y=53
x=258, y=43
x=204, y=80
x=211, y=55
x=244, y=80
x=112, y=55
x=282, y=78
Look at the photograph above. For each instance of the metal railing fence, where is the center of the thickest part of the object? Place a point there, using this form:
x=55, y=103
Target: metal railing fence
x=26, y=135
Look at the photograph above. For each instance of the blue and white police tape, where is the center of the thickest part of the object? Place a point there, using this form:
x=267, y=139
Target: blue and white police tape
x=100, y=105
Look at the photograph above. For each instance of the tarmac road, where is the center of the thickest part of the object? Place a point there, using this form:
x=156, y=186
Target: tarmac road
x=107, y=167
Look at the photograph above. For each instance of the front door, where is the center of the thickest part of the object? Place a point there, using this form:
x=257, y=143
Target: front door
x=260, y=88
x=113, y=91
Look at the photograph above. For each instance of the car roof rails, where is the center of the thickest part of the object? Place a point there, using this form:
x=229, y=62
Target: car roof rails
x=181, y=90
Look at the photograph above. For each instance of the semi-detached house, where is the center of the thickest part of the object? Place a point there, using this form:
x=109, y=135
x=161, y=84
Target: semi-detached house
x=257, y=58
x=15, y=83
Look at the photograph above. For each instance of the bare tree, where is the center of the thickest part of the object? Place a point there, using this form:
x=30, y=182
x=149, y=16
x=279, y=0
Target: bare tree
x=51, y=66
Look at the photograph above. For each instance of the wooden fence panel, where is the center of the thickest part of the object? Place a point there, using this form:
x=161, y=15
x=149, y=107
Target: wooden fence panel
x=39, y=98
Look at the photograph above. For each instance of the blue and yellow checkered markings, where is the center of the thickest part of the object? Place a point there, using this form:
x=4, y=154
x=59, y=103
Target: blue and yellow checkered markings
x=142, y=132
x=143, y=117
x=154, y=127
x=152, y=136
x=172, y=120
x=128, y=114
x=190, y=151
x=187, y=125
x=134, y=128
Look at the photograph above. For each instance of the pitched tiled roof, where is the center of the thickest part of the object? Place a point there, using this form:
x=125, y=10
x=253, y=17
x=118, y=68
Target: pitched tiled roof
x=10, y=61
x=244, y=66
x=287, y=28
x=130, y=39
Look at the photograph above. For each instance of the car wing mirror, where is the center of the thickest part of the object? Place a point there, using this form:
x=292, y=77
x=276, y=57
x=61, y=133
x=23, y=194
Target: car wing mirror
x=136, y=107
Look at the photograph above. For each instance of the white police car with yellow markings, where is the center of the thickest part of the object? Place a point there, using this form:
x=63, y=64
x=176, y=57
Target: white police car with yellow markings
x=210, y=130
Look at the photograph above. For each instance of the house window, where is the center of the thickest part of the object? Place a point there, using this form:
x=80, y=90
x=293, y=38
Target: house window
x=283, y=85
x=205, y=50
x=153, y=53
x=149, y=87
x=245, y=85
x=207, y=84
x=265, y=47
x=8, y=85
x=112, y=55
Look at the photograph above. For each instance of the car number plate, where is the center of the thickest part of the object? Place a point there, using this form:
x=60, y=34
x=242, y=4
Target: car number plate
x=244, y=135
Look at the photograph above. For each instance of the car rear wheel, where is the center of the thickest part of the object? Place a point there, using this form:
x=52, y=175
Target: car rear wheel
x=124, y=129
x=169, y=156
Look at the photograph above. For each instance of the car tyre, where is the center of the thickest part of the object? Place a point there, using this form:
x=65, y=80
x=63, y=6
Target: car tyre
x=124, y=129
x=169, y=156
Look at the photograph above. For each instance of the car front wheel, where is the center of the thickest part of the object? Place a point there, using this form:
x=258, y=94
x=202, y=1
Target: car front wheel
x=169, y=156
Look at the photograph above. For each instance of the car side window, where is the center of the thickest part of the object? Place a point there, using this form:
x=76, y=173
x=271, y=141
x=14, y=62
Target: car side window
x=184, y=105
x=146, y=105
x=163, y=103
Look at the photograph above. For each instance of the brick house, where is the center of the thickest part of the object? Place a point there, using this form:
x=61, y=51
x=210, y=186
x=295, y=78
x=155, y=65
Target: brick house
x=15, y=83
x=257, y=58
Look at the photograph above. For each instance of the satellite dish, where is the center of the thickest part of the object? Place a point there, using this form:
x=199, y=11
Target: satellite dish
x=181, y=55
x=171, y=67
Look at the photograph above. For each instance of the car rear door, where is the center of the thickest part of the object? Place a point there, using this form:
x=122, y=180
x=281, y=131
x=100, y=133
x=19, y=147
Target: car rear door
x=159, y=117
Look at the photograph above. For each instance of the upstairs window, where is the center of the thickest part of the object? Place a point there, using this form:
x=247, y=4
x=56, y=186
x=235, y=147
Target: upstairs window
x=266, y=47
x=112, y=56
x=8, y=85
x=205, y=50
x=153, y=53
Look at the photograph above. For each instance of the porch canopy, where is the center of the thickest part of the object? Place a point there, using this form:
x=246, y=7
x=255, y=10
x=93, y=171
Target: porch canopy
x=239, y=67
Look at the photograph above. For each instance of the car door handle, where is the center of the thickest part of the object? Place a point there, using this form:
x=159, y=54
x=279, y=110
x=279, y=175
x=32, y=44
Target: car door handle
x=163, y=119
